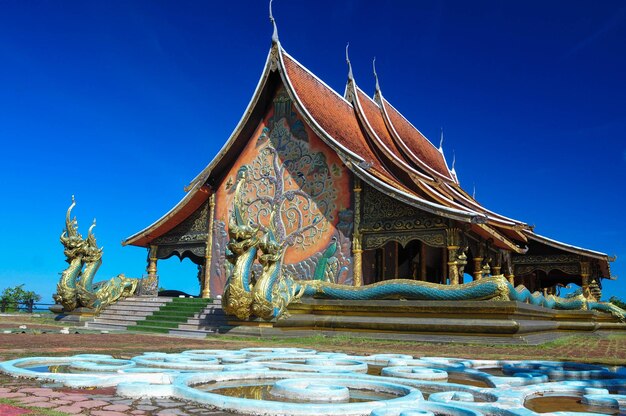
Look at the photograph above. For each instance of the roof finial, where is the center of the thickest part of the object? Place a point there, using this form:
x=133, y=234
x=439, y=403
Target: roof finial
x=350, y=76
x=474, y=191
x=453, y=170
x=275, y=34
x=441, y=141
x=375, y=75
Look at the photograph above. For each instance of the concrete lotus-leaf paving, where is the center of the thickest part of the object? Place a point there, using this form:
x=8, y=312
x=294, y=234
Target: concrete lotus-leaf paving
x=301, y=381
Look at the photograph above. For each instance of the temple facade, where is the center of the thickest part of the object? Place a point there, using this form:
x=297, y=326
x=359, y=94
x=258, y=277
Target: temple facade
x=350, y=192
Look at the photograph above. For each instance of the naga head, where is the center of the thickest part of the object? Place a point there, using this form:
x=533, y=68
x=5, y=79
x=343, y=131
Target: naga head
x=91, y=250
x=70, y=237
x=272, y=249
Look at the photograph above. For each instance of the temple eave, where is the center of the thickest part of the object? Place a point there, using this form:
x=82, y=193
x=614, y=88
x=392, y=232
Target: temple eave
x=192, y=200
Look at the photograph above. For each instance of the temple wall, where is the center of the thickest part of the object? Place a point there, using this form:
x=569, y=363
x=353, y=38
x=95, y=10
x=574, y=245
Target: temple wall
x=293, y=187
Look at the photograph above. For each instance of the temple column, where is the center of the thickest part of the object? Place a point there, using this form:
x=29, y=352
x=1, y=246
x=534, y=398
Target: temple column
x=357, y=251
x=461, y=261
x=585, y=272
x=206, y=283
x=478, y=268
x=150, y=283
x=453, y=268
x=453, y=238
x=422, y=275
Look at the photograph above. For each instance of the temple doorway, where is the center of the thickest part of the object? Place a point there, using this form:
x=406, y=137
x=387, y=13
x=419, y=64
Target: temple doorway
x=415, y=260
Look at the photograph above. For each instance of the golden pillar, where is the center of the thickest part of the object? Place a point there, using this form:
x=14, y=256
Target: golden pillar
x=206, y=283
x=453, y=236
x=495, y=270
x=357, y=251
x=453, y=268
x=511, y=278
x=585, y=272
x=150, y=283
x=478, y=268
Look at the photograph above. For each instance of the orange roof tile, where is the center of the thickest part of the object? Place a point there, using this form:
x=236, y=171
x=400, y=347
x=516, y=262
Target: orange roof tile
x=333, y=113
x=416, y=142
x=372, y=112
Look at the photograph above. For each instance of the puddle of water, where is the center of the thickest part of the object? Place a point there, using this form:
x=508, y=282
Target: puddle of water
x=458, y=379
x=262, y=392
x=39, y=369
x=374, y=370
x=52, y=369
x=549, y=404
x=494, y=371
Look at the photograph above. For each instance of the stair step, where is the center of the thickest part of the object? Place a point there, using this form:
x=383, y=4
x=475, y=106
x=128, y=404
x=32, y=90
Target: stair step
x=138, y=308
x=105, y=326
x=148, y=329
x=155, y=314
x=147, y=299
x=211, y=320
x=175, y=312
x=127, y=321
x=127, y=312
x=191, y=333
x=154, y=320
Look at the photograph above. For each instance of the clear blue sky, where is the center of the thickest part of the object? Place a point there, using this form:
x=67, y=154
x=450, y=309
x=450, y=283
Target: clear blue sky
x=122, y=103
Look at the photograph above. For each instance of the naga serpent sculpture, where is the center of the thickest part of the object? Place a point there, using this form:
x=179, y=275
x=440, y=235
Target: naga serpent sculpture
x=273, y=291
x=76, y=287
x=241, y=252
x=272, y=298
x=73, y=244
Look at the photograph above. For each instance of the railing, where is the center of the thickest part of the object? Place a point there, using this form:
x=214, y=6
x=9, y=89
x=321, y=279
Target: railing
x=28, y=307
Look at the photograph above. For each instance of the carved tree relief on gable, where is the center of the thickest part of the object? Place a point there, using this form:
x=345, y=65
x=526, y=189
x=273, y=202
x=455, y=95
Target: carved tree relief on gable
x=293, y=189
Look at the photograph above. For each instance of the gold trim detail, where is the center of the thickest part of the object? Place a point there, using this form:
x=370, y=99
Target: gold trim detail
x=206, y=284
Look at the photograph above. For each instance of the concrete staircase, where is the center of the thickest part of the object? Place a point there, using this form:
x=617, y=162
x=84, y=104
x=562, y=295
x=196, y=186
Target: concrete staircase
x=170, y=315
x=211, y=320
x=126, y=313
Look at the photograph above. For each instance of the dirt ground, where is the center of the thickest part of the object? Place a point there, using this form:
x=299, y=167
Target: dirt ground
x=610, y=350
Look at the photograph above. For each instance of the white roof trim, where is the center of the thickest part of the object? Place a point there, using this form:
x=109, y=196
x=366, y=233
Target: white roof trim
x=196, y=183
x=166, y=216
x=305, y=113
x=382, y=100
x=242, y=121
x=315, y=76
x=403, y=145
x=431, y=207
x=403, y=164
x=495, y=216
x=558, y=244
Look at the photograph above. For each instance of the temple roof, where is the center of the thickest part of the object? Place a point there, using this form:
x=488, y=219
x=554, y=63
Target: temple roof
x=375, y=141
x=604, y=258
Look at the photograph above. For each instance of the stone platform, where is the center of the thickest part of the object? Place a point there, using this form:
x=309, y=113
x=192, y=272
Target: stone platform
x=76, y=316
x=437, y=321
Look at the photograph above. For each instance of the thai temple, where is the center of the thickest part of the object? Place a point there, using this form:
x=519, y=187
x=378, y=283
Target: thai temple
x=343, y=189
